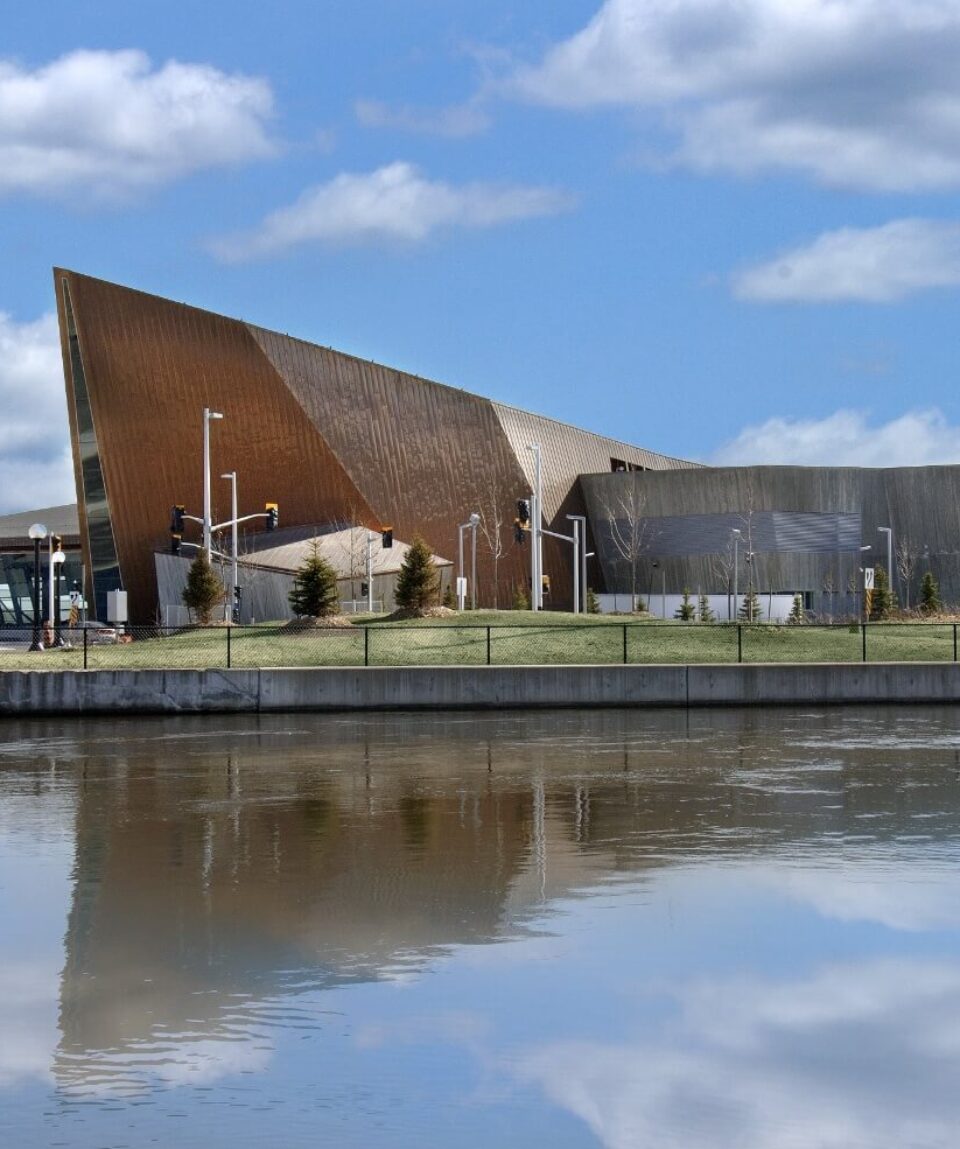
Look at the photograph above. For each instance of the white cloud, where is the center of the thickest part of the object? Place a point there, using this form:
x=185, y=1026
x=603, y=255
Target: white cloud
x=454, y=121
x=110, y=123
x=845, y=439
x=854, y=93
x=862, y=1054
x=394, y=203
x=35, y=460
x=872, y=265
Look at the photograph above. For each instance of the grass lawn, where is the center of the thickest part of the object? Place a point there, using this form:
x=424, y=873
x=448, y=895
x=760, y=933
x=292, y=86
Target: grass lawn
x=513, y=638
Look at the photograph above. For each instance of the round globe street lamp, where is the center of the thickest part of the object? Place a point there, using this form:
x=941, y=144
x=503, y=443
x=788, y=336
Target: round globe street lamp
x=37, y=532
x=59, y=558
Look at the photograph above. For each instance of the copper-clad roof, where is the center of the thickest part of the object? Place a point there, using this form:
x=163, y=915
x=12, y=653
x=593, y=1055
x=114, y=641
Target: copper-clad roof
x=329, y=437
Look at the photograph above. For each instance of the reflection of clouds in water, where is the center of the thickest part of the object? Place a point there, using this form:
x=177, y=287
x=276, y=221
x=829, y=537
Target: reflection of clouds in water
x=913, y=899
x=853, y=1056
x=28, y=1026
x=146, y=1066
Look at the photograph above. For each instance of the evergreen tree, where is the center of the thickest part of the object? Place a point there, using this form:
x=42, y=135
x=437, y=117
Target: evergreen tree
x=449, y=598
x=930, y=601
x=750, y=609
x=882, y=600
x=204, y=590
x=520, y=599
x=593, y=603
x=314, y=593
x=686, y=611
x=418, y=583
x=704, y=613
x=796, y=615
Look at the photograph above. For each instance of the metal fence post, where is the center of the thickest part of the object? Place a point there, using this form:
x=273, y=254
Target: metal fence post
x=624, y=644
x=366, y=645
x=87, y=632
x=229, y=660
x=488, y=646
x=739, y=642
x=864, y=628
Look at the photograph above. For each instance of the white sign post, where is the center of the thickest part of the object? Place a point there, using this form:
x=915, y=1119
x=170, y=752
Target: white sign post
x=461, y=592
x=868, y=578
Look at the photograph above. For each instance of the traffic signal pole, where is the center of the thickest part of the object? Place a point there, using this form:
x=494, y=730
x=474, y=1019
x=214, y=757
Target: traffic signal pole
x=536, y=550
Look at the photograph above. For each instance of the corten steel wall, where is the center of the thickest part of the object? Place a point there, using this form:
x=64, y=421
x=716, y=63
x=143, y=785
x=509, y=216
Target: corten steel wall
x=327, y=436
x=921, y=504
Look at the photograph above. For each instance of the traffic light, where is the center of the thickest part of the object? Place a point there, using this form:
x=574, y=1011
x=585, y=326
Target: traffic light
x=364, y=589
x=237, y=600
x=176, y=518
x=545, y=584
x=175, y=542
x=56, y=542
x=519, y=534
x=386, y=537
x=273, y=515
x=523, y=513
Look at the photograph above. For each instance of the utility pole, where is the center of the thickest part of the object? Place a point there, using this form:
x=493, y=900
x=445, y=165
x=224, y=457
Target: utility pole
x=234, y=579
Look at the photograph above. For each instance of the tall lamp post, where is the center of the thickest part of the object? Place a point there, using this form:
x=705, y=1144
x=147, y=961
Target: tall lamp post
x=59, y=558
x=37, y=533
x=888, y=531
x=470, y=525
x=736, y=558
x=207, y=532
x=536, y=537
x=234, y=601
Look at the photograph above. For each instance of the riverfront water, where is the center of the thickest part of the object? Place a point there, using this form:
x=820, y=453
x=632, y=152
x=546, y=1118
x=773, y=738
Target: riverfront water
x=607, y=929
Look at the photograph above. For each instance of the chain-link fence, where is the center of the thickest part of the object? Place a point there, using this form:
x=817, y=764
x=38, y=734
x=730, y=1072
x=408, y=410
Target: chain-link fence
x=599, y=641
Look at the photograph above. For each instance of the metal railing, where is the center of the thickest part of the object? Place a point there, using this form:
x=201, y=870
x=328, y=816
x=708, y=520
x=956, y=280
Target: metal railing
x=475, y=644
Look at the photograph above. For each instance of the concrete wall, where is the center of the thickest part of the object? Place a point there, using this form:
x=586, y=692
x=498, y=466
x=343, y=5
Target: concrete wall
x=465, y=688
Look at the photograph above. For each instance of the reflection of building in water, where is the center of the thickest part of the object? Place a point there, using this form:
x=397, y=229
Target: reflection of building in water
x=207, y=885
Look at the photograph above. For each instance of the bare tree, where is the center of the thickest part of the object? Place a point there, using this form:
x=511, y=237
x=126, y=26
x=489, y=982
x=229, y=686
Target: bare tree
x=907, y=556
x=830, y=589
x=721, y=567
x=491, y=527
x=629, y=531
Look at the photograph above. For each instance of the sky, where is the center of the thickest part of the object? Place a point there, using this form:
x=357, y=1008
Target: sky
x=726, y=230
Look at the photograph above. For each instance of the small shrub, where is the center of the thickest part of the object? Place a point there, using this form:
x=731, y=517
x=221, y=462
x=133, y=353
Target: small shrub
x=685, y=612
x=418, y=583
x=204, y=590
x=314, y=593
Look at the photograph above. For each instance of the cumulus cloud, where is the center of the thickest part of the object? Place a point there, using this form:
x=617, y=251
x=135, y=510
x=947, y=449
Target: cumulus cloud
x=394, y=203
x=853, y=93
x=845, y=439
x=35, y=460
x=861, y=1054
x=871, y=265
x=110, y=123
x=454, y=121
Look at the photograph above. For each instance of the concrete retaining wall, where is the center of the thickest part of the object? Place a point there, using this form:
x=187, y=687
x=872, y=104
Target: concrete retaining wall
x=474, y=687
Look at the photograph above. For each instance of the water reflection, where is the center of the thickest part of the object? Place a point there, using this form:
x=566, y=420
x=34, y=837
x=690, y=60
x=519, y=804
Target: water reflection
x=724, y=929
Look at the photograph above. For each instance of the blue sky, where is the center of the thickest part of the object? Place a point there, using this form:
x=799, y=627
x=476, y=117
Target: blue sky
x=722, y=229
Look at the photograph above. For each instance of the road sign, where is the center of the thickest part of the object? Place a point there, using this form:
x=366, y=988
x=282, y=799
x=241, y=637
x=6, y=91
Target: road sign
x=868, y=578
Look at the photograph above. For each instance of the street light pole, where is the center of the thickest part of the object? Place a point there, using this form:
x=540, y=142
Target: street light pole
x=207, y=532
x=736, y=558
x=370, y=537
x=59, y=558
x=536, y=550
x=474, y=523
x=234, y=604
x=37, y=532
x=579, y=562
x=888, y=531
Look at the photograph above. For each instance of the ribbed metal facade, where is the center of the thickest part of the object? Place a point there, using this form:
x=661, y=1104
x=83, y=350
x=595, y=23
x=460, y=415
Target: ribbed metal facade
x=331, y=438
x=804, y=526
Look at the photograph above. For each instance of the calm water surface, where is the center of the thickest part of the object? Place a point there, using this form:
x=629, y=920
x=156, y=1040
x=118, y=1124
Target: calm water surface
x=738, y=930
